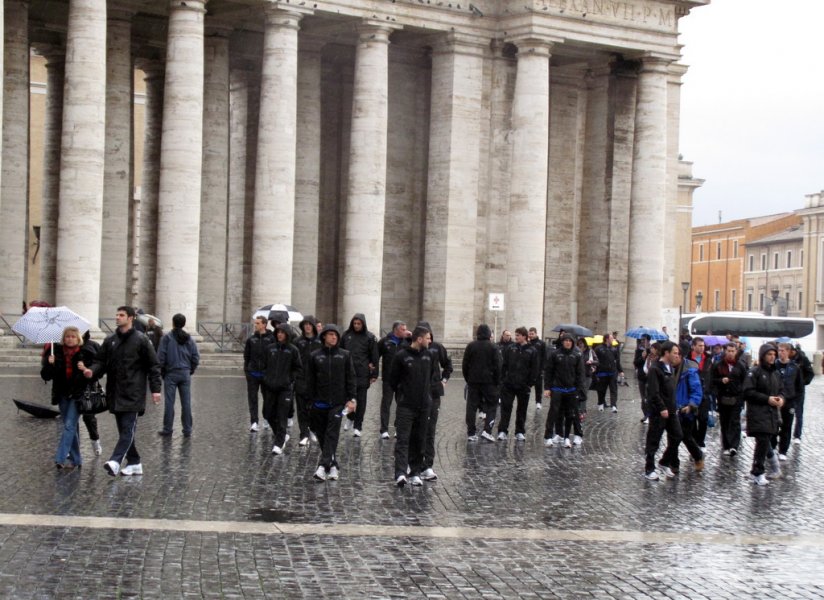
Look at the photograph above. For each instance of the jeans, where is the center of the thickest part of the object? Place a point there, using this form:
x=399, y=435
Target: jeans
x=178, y=380
x=411, y=426
x=604, y=382
x=69, y=444
x=126, y=430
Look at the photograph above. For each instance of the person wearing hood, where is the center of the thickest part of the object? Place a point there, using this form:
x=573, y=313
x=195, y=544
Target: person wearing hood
x=412, y=375
x=763, y=391
x=178, y=358
x=363, y=346
x=443, y=371
x=564, y=378
x=481, y=368
x=727, y=377
x=388, y=347
x=519, y=372
x=332, y=386
x=307, y=343
x=254, y=356
x=281, y=368
x=689, y=396
x=793, y=388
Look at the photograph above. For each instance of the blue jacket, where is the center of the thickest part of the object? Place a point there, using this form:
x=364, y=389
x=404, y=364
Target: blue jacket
x=178, y=352
x=688, y=391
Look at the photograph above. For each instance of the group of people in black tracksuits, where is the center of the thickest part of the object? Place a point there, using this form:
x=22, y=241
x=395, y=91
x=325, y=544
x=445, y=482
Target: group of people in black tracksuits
x=681, y=384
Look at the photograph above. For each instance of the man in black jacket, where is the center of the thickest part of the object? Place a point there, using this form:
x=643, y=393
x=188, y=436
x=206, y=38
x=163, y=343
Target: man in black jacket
x=363, y=346
x=481, y=368
x=563, y=379
x=727, y=377
x=661, y=384
x=412, y=376
x=609, y=368
x=639, y=360
x=282, y=366
x=127, y=358
x=793, y=389
x=807, y=375
x=254, y=357
x=388, y=346
x=443, y=371
x=763, y=391
x=541, y=351
x=331, y=384
x=521, y=365
x=307, y=343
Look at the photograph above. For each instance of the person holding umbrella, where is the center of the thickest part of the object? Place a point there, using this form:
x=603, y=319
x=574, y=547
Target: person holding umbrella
x=63, y=365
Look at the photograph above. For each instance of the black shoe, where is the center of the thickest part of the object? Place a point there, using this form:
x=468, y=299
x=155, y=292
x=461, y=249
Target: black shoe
x=186, y=434
x=164, y=433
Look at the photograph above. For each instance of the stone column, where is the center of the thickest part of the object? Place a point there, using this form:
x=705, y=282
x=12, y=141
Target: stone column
x=528, y=190
x=676, y=258
x=181, y=159
x=307, y=190
x=649, y=191
x=215, y=193
x=14, y=185
x=150, y=182
x=238, y=123
x=115, y=270
x=274, y=214
x=82, y=158
x=452, y=192
x=366, y=198
x=52, y=127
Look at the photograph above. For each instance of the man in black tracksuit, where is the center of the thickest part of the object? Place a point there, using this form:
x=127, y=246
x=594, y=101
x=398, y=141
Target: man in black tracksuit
x=387, y=348
x=363, y=346
x=727, y=377
x=563, y=378
x=521, y=365
x=541, y=350
x=443, y=371
x=254, y=357
x=331, y=384
x=663, y=414
x=807, y=374
x=307, y=343
x=609, y=367
x=793, y=388
x=282, y=366
x=412, y=376
x=481, y=368
x=763, y=391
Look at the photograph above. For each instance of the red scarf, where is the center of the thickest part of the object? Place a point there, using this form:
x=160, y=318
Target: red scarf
x=68, y=354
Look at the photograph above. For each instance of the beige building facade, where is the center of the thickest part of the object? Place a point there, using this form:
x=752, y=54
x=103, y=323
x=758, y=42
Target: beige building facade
x=774, y=273
x=404, y=160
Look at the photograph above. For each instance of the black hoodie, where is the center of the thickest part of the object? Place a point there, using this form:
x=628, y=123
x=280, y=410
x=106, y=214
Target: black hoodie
x=306, y=345
x=482, y=359
x=282, y=363
x=564, y=368
x=331, y=374
x=363, y=346
x=761, y=382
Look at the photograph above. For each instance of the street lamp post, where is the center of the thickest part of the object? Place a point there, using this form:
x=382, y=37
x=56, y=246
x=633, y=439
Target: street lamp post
x=698, y=298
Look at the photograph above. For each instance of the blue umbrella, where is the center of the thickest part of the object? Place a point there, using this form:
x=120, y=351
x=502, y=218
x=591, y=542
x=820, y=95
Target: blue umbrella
x=640, y=332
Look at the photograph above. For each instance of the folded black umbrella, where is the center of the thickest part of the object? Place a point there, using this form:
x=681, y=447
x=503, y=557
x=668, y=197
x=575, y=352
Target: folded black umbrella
x=36, y=410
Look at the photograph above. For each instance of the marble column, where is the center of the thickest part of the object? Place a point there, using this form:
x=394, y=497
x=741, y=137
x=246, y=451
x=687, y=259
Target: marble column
x=238, y=124
x=274, y=214
x=14, y=185
x=452, y=191
x=52, y=127
x=366, y=198
x=649, y=191
x=82, y=159
x=528, y=188
x=307, y=177
x=115, y=270
x=181, y=160
x=215, y=194
x=676, y=263
x=154, y=71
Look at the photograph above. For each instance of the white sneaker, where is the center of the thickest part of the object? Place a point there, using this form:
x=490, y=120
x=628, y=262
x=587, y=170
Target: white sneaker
x=286, y=439
x=557, y=439
x=645, y=421
x=265, y=424
x=313, y=437
x=759, y=479
x=333, y=473
x=385, y=435
x=652, y=476
x=487, y=436
x=112, y=467
x=320, y=474
x=289, y=422
x=429, y=475
x=254, y=427
x=416, y=481
x=548, y=442
x=782, y=457
x=277, y=450
x=668, y=473
x=98, y=449
x=346, y=424
x=502, y=436
x=303, y=441
x=520, y=437
x=600, y=408
x=726, y=452
x=472, y=438
x=400, y=481
x=537, y=406
x=567, y=443
x=614, y=409
x=132, y=470
x=482, y=415
x=577, y=440
x=797, y=441
x=356, y=433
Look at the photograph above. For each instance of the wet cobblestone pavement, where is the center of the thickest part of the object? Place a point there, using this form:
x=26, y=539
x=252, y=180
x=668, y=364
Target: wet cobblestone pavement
x=217, y=515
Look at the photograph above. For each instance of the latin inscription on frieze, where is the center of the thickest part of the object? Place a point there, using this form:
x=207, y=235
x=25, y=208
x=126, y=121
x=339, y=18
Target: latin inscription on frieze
x=639, y=12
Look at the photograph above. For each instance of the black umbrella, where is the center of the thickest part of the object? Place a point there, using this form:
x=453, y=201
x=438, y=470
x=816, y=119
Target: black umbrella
x=574, y=329
x=36, y=410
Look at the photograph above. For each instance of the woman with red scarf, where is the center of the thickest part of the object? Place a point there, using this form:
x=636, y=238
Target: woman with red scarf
x=64, y=368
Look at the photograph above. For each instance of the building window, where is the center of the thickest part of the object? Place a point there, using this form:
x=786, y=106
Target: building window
x=732, y=301
x=761, y=301
x=787, y=298
x=717, y=300
x=763, y=262
x=789, y=259
x=718, y=251
x=801, y=259
x=752, y=263
x=735, y=249
x=800, y=298
x=775, y=260
x=749, y=301
x=701, y=253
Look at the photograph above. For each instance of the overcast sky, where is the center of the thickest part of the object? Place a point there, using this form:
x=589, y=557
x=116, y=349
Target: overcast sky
x=752, y=105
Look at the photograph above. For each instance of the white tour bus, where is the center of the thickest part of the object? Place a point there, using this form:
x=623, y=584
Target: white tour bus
x=757, y=329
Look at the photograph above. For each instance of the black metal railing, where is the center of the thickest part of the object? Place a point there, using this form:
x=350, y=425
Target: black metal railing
x=227, y=337
x=107, y=326
x=6, y=321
